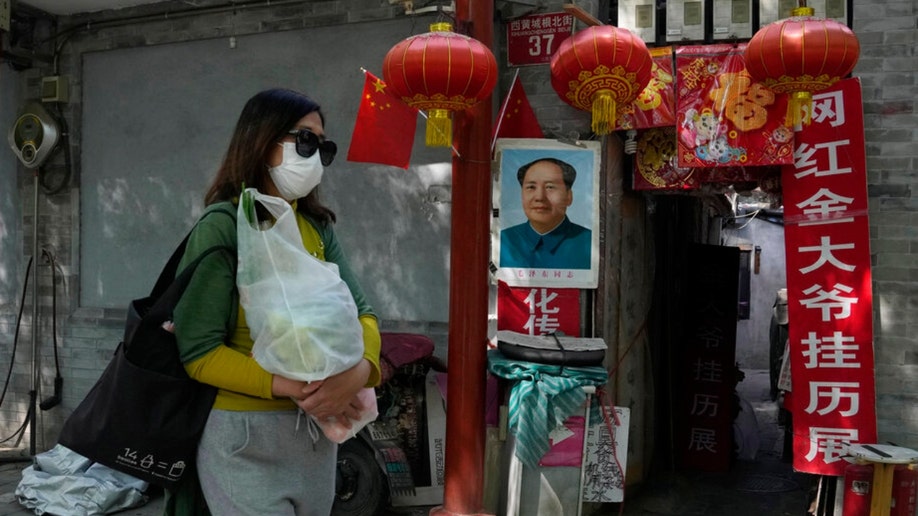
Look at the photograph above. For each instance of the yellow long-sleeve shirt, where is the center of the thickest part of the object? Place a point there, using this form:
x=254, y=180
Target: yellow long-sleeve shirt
x=201, y=317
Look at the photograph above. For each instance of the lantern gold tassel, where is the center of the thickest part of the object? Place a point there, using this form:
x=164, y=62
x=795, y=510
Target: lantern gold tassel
x=603, y=113
x=439, y=128
x=799, y=108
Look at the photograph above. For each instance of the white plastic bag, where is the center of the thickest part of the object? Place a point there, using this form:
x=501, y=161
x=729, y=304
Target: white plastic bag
x=302, y=317
x=339, y=433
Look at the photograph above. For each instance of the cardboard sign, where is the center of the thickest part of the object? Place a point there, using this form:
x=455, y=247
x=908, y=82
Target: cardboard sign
x=606, y=451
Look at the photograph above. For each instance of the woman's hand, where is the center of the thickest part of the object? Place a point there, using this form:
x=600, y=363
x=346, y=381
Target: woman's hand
x=282, y=387
x=336, y=396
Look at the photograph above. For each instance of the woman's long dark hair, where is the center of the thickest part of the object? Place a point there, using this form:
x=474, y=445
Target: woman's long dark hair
x=264, y=121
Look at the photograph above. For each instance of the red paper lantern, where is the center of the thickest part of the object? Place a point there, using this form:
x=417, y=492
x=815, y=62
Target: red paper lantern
x=598, y=68
x=440, y=72
x=801, y=55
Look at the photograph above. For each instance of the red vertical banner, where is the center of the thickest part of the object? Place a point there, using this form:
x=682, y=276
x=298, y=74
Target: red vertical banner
x=707, y=353
x=538, y=310
x=829, y=292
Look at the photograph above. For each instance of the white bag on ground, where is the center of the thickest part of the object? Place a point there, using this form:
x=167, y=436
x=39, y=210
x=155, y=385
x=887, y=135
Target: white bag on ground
x=302, y=317
x=61, y=481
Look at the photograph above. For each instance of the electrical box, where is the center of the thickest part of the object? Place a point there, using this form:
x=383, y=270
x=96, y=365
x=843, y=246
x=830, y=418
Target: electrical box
x=54, y=88
x=34, y=135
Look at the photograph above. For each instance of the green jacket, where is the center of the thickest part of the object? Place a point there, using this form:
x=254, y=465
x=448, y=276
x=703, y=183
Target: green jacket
x=202, y=316
x=208, y=316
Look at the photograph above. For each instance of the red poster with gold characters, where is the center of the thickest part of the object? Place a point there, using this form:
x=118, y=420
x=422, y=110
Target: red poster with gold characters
x=656, y=104
x=655, y=164
x=657, y=168
x=724, y=118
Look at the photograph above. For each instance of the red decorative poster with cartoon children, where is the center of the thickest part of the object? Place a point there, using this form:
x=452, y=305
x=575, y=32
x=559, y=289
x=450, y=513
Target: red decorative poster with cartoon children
x=724, y=118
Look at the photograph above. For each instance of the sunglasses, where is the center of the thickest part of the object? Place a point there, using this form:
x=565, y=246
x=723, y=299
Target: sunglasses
x=307, y=143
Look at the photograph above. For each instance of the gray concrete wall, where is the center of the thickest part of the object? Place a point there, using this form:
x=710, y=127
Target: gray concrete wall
x=752, y=334
x=11, y=266
x=888, y=68
x=153, y=100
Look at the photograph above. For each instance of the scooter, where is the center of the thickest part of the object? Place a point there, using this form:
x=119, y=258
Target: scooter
x=389, y=457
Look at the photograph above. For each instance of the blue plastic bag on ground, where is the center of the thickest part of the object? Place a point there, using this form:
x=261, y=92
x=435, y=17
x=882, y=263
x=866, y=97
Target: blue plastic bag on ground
x=61, y=481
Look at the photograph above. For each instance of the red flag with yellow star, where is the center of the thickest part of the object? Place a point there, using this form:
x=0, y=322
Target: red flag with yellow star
x=384, y=129
x=516, y=118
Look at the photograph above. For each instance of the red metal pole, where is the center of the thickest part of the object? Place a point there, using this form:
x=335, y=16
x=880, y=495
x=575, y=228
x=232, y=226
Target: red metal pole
x=468, y=290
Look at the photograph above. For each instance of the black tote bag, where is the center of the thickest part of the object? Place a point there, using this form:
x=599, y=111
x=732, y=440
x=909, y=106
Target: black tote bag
x=144, y=416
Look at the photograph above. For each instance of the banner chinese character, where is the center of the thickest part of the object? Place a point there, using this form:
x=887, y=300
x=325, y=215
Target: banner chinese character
x=704, y=432
x=538, y=311
x=830, y=303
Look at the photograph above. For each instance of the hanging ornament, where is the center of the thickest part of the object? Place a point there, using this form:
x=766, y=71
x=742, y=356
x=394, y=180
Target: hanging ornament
x=440, y=72
x=801, y=55
x=599, y=68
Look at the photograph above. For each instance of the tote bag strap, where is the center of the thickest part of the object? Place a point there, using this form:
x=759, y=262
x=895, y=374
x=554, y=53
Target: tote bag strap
x=168, y=272
x=168, y=299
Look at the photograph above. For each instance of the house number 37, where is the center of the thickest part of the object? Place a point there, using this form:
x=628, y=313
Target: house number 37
x=541, y=45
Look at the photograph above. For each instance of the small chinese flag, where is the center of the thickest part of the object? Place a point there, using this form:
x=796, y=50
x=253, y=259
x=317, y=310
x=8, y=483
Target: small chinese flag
x=384, y=129
x=516, y=119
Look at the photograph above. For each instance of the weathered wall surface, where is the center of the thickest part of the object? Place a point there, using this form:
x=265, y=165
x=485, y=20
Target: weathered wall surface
x=888, y=69
x=406, y=264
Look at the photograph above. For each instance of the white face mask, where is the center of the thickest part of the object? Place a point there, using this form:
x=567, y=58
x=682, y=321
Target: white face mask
x=296, y=176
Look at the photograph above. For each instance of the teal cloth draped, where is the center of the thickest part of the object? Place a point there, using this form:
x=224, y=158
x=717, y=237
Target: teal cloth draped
x=541, y=398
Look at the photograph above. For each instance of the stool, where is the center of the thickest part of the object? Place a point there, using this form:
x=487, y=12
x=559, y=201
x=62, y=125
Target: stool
x=884, y=458
x=515, y=473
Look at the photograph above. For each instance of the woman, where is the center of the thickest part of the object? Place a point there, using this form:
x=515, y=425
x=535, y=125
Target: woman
x=256, y=455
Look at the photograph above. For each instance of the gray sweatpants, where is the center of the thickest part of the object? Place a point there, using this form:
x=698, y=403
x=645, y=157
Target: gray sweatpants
x=266, y=463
